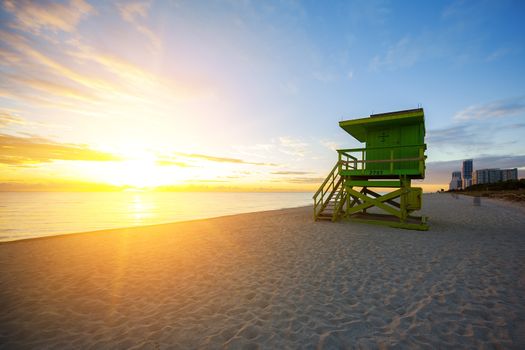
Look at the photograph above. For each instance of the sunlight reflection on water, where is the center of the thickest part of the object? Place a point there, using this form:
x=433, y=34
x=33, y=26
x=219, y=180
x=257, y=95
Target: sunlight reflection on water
x=35, y=214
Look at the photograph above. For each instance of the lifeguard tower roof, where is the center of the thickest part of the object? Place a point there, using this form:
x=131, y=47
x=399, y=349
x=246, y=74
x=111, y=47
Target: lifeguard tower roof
x=359, y=128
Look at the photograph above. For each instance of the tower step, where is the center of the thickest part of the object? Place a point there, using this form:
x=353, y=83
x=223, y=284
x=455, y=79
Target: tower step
x=324, y=217
x=329, y=195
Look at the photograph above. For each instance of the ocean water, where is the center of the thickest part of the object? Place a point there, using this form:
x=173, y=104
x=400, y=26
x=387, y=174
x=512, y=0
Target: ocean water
x=37, y=214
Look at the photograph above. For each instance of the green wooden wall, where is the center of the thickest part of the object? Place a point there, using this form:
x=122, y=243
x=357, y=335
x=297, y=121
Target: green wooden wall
x=394, y=136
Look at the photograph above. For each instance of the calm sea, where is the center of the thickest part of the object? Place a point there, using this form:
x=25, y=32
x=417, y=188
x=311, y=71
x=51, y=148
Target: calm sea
x=37, y=214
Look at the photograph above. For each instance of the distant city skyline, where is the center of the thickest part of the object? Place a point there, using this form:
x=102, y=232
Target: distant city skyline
x=222, y=95
x=470, y=175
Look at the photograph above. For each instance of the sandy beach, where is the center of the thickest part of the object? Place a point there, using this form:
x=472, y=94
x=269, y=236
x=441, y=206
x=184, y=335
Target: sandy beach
x=274, y=280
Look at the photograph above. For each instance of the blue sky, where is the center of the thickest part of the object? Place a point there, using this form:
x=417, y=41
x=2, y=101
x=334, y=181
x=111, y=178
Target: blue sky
x=253, y=89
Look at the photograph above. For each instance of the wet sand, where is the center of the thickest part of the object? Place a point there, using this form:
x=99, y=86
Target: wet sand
x=274, y=280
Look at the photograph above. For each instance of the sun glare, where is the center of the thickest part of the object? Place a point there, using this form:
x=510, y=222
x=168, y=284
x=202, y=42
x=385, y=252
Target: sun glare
x=137, y=173
x=139, y=170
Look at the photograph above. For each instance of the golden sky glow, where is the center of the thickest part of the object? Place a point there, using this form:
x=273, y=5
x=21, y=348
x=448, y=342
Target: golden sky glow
x=175, y=95
x=77, y=114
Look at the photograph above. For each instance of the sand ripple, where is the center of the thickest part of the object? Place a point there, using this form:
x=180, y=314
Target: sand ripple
x=273, y=280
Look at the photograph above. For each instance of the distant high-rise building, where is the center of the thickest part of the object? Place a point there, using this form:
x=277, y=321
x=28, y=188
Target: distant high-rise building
x=486, y=176
x=455, y=183
x=490, y=176
x=466, y=173
x=509, y=174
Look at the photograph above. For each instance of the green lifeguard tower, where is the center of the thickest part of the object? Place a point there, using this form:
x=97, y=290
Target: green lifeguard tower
x=393, y=156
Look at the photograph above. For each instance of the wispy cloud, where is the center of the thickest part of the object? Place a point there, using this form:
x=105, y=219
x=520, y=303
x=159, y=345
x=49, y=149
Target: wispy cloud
x=498, y=53
x=291, y=172
x=59, y=79
x=459, y=134
x=220, y=159
x=130, y=11
x=473, y=138
x=369, y=13
x=497, y=109
x=478, y=128
x=163, y=162
x=300, y=180
x=405, y=53
x=8, y=57
x=8, y=118
x=31, y=55
x=130, y=74
x=53, y=88
x=54, y=185
x=292, y=146
x=33, y=16
x=455, y=8
x=16, y=150
x=330, y=145
x=37, y=99
x=135, y=13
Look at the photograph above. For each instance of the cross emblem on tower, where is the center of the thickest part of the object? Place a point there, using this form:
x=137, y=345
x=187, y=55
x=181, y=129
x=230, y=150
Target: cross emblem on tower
x=383, y=136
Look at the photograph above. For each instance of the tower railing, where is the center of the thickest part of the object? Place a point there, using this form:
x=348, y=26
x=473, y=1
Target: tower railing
x=327, y=190
x=395, y=160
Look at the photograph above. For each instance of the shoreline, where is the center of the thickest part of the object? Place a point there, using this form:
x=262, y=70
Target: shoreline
x=501, y=201
x=109, y=230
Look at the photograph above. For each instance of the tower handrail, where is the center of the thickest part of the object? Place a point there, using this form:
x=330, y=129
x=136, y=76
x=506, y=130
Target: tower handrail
x=347, y=161
x=326, y=180
x=378, y=148
x=326, y=190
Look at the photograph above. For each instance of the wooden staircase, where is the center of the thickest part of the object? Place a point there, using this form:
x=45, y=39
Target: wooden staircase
x=330, y=197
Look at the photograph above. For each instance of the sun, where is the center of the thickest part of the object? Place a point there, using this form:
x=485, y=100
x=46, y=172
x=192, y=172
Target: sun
x=138, y=170
x=139, y=173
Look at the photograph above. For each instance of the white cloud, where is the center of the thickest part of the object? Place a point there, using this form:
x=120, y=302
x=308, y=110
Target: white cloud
x=496, y=109
x=330, y=145
x=293, y=147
